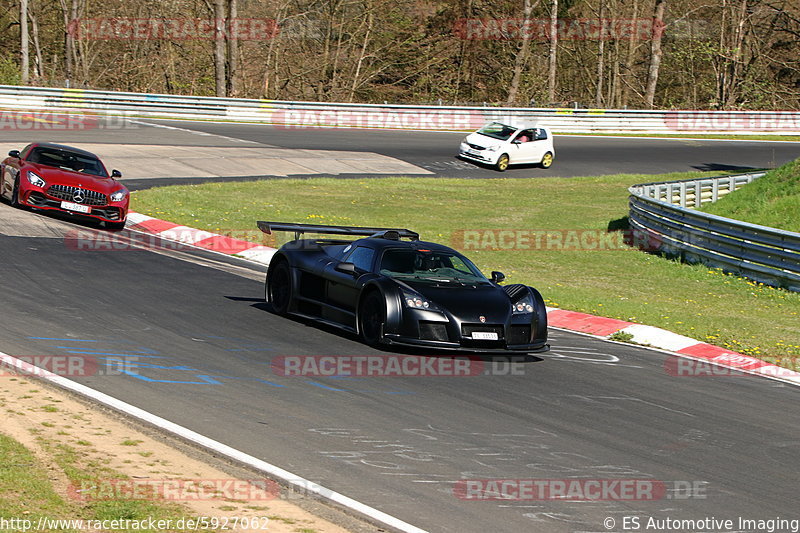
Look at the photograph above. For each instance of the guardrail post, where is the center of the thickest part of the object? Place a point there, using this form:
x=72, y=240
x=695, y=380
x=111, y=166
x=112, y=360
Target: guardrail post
x=698, y=194
x=714, y=190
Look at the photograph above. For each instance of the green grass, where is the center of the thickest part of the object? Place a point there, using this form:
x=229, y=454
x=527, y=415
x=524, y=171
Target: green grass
x=27, y=492
x=773, y=200
x=627, y=284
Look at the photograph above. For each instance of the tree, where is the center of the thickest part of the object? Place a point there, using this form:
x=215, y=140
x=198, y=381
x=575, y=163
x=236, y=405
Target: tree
x=551, y=75
x=655, y=53
x=24, y=41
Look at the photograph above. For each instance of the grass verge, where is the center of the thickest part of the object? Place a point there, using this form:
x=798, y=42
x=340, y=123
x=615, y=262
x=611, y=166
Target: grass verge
x=27, y=490
x=621, y=283
x=773, y=200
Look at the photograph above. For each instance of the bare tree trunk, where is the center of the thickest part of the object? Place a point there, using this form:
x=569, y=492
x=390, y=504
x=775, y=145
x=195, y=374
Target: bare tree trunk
x=38, y=63
x=23, y=42
x=364, y=44
x=69, y=43
x=629, y=59
x=735, y=59
x=601, y=48
x=655, y=53
x=720, y=61
x=551, y=75
x=219, y=47
x=522, y=54
x=233, y=49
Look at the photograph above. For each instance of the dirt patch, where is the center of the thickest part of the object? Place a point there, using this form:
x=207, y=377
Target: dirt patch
x=41, y=417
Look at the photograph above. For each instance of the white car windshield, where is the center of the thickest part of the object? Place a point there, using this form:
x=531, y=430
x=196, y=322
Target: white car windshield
x=496, y=130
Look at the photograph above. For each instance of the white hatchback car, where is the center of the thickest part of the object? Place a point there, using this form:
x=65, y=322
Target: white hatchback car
x=500, y=145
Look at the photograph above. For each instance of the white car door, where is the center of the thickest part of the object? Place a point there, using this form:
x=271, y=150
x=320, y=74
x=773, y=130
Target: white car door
x=524, y=149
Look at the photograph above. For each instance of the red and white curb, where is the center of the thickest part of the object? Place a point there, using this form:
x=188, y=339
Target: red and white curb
x=672, y=342
x=560, y=318
x=202, y=239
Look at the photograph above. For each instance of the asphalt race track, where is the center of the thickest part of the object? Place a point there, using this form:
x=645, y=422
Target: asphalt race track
x=197, y=340
x=432, y=152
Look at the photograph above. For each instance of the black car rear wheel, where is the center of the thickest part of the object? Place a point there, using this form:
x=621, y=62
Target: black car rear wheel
x=371, y=317
x=279, y=288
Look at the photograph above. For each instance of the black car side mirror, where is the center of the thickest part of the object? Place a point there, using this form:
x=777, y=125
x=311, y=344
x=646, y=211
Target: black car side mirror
x=497, y=277
x=346, y=268
x=116, y=173
x=14, y=153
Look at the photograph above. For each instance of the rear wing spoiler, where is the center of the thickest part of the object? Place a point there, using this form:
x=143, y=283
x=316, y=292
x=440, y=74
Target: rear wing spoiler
x=355, y=231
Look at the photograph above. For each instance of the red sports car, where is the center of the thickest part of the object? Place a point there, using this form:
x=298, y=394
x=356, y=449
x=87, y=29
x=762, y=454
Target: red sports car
x=66, y=179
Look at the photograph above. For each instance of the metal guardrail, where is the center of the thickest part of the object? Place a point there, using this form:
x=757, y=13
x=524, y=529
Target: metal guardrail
x=438, y=118
x=661, y=212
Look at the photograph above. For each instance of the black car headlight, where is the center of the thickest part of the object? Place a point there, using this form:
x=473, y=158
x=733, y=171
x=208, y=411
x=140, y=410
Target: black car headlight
x=523, y=305
x=413, y=300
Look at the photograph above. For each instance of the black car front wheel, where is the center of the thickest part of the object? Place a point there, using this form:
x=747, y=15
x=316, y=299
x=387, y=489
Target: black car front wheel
x=15, y=193
x=279, y=288
x=371, y=318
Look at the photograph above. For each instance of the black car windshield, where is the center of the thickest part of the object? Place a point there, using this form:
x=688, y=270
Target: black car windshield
x=496, y=130
x=434, y=266
x=67, y=160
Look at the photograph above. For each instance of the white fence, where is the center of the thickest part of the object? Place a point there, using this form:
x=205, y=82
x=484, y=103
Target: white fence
x=434, y=118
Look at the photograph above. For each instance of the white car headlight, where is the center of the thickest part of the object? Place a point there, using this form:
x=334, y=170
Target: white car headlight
x=35, y=179
x=415, y=301
x=118, y=196
x=523, y=305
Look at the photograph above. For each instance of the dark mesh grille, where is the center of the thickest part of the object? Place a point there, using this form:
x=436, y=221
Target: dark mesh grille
x=67, y=193
x=475, y=146
x=432, y=331
x=520, y=334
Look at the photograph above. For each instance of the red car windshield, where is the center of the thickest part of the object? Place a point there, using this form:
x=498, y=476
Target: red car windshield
x=67, y=160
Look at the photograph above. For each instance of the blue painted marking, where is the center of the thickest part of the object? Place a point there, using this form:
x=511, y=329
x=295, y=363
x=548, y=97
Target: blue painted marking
x=90, y=350
x=321, y=386
x=57, y=339
x=206, y=380
x=257, y=380
x=118, y=354
x=185, y=368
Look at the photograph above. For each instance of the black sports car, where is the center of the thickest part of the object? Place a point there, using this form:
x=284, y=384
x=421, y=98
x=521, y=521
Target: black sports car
x=395, y=291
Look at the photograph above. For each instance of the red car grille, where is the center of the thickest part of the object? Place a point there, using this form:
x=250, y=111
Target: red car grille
x=77, y=195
